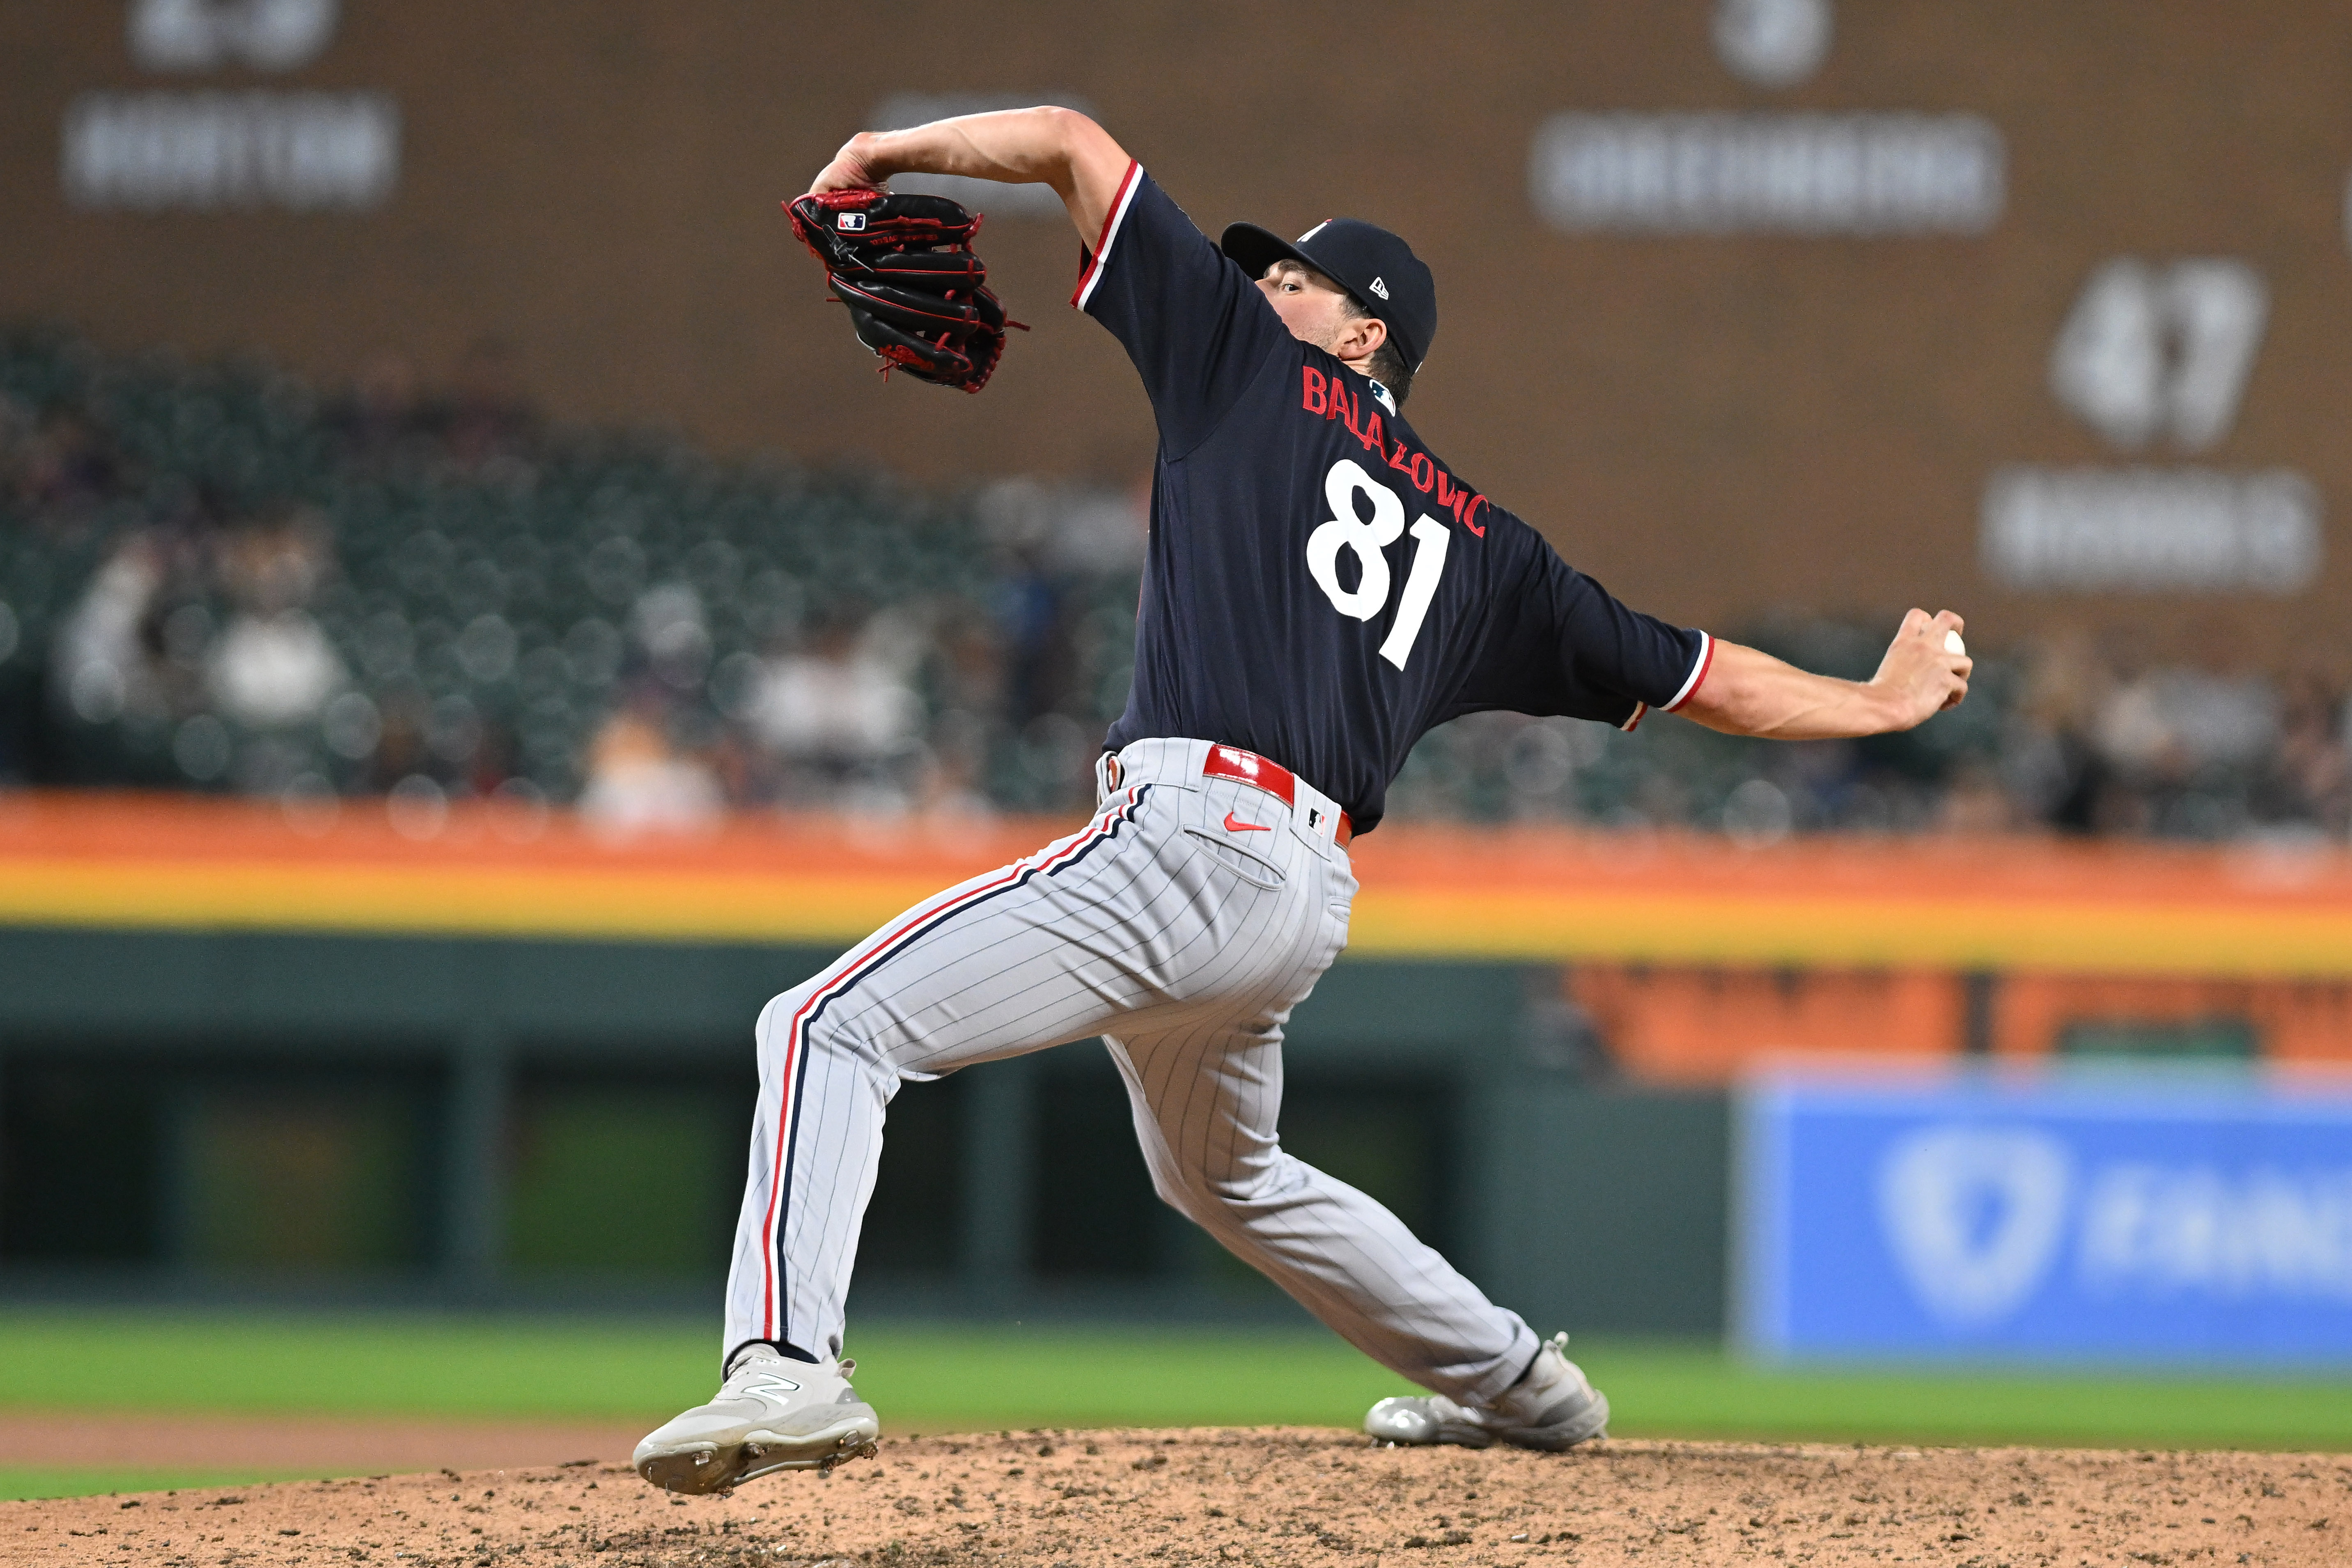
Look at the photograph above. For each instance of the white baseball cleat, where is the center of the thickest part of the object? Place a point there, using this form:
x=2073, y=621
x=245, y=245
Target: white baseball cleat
x=1553, y=1407
x=771, y=1414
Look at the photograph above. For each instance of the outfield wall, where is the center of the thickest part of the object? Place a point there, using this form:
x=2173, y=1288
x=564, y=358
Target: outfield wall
x=2253, y=913
x=486, y=1119
x=243, y=1051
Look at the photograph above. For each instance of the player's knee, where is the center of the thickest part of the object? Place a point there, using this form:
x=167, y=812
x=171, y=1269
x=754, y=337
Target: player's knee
x=1170, y=1187
x=789, y=1024
x=1229, y=1186
x=1190, y=1191
x=1169, y=1192
x=763, y=1030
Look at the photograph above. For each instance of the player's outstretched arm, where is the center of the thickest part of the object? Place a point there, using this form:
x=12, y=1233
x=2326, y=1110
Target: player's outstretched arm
x=1046, y=146
x=1750, y=693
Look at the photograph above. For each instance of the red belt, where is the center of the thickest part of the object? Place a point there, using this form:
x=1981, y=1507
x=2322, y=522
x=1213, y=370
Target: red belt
x=1232, y=762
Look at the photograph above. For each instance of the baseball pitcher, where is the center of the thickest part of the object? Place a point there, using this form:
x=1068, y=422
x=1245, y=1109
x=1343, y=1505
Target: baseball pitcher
x=1321, y=588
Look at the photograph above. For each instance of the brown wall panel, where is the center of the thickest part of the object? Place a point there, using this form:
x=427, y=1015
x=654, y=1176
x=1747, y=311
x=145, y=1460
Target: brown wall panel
x=1714, y=426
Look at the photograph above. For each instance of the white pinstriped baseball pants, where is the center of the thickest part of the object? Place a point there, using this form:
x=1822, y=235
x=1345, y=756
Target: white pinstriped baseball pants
x=1182, y=924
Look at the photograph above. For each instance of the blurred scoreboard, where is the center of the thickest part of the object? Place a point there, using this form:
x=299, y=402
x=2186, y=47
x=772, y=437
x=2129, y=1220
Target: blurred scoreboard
x=2039, y=311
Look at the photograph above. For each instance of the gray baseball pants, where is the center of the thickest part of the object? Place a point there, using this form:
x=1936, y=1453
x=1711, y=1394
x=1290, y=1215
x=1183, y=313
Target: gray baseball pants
x=1183, y=925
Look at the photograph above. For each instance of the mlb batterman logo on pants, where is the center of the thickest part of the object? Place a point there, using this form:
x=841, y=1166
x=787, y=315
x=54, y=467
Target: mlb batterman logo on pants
x=1360, y=592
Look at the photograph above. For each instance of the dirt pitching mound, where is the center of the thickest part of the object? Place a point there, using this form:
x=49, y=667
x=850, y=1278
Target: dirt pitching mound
x=1086, y=1499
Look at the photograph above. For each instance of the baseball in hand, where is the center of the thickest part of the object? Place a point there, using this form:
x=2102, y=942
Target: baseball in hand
x=1952, y=643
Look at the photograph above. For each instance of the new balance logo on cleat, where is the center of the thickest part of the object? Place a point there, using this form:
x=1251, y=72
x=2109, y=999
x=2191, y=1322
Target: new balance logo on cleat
x=771, y=1385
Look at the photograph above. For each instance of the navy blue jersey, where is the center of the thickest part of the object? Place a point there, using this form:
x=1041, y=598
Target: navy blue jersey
x=1320, y=587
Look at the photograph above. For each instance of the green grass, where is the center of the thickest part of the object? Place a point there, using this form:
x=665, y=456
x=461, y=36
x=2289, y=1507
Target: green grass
x=354, y=1364
x=1658, y=1391
x=933, y=1379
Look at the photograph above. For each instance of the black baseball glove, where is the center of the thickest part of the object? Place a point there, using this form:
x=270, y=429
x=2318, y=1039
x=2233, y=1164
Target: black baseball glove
x=917, y=293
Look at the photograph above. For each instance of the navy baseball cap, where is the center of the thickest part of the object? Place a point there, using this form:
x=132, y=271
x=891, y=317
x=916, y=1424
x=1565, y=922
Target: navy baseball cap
x=1375, y=266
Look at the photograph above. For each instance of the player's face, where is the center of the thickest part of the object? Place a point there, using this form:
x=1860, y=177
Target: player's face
x=1312, y=306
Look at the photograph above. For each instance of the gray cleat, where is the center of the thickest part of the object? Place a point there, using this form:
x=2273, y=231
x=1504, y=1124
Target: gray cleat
x=1553, y=1407
x=771, y=1414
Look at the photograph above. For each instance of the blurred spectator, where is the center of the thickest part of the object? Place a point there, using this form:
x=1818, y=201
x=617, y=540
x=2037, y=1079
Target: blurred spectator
x=951, y=788
x=837, y=713
x=65, y=464
x=638, y=783
x=1091, y=529
x=668, y=624
x=967, y=664
x=2305, y=781
x=437, y=598
x=273, y=666
x=2047, y=762
x=102, y=664
x=270, y=671
x=1052, y=539
x=1974, y=802
x=392, y=736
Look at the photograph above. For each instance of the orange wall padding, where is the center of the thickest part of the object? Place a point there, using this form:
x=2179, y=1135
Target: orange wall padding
x=1689, y=1026
x=1930, y=905
x=1675, y=1024
x=2293, y=1021
x=1672, y=1024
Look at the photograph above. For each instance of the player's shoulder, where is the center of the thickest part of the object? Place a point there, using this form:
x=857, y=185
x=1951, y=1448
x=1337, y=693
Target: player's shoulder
x=1146, y=213
x=1153, y=256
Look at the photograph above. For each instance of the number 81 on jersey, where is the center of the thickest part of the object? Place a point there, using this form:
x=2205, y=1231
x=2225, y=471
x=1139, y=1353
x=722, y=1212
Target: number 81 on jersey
x=1348, y=529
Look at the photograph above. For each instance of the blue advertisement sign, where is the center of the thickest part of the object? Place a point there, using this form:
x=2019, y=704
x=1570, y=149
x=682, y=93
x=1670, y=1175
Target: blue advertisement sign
x=2098, y=1217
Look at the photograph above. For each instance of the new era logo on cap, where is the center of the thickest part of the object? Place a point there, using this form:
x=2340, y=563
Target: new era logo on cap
x=1380, y=286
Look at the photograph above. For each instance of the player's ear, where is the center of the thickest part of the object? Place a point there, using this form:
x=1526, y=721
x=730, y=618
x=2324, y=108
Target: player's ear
x=1361, y=338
